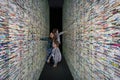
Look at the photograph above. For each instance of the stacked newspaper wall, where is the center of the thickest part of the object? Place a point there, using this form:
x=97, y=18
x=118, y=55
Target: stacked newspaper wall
x=92, y=43
x=22, y=23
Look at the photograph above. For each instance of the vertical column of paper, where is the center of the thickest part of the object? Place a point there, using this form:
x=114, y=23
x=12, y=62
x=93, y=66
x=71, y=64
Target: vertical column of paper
x=102, y=34
x=4, y=41
x=18, y=38
x=69, y=38
x=22, y=23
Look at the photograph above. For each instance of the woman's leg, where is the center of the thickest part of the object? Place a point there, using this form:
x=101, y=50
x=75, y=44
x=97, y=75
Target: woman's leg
x=49, y=51
x=55, y=63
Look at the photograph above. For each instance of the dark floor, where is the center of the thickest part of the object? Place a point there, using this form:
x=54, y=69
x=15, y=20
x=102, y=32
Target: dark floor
x=61, y=72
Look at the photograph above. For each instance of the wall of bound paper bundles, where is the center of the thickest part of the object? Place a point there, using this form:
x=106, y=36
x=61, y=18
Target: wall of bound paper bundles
x=92, y=43
x=22, y=23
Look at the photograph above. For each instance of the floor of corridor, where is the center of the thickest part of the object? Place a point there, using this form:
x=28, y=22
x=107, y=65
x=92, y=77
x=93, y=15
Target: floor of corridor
x=61, y=72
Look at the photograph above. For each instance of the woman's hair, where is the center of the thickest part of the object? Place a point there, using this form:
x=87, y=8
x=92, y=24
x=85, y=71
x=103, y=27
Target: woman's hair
x=54, y=37
x=56, y=42
x=54, y=30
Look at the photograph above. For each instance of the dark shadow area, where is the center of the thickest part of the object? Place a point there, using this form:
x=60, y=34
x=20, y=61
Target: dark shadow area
x=56, y=3
x=55, y=18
